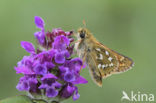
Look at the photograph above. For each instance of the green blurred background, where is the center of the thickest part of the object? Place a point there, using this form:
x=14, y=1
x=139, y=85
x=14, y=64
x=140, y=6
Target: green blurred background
x=127, y=26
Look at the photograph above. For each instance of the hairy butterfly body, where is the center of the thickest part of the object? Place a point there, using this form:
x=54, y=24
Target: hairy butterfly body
x=101, y=61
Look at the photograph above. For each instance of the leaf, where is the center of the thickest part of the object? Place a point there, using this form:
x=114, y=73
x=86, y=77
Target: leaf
x=20, y=99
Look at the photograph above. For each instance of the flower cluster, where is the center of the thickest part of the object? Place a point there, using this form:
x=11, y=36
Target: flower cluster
x=50, y=69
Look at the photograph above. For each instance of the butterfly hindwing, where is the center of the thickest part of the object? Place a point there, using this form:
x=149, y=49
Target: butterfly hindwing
x=94, y=71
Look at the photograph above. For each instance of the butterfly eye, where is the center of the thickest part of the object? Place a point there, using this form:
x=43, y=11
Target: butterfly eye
x=82, y=34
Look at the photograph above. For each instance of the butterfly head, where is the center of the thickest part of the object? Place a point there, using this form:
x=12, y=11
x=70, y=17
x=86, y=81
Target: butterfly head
x=83, y=33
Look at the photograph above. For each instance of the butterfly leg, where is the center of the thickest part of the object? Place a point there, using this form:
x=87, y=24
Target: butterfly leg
x=83, y=61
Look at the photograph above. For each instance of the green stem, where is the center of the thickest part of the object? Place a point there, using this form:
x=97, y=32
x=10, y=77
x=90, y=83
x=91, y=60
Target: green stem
x=55, y=102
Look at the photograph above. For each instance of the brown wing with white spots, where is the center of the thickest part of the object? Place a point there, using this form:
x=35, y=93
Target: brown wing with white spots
x=106, y=61
x=125, y=63
x=121, y=63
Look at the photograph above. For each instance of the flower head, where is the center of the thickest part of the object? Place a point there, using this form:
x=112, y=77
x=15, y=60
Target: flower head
x=50, y=70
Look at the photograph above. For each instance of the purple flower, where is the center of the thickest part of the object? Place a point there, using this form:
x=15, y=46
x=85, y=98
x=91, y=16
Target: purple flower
x=39, y=22
x=40, y=69
x=57, y=85
x=49, y=80
x=23, y=84
x=49, y=65
x=70, y=90
x=27, y=84
x=24, y=70
x=59, y=58
x=75, y=64
x=63, y=69
x=25, y=65
x=48, y=76
x=61, y=43
x=26, y=61
x=50, y=84
x=80, y=80
x=46, y=56
x=76, y=95
x=69, y=76
x=28, y=47
x=51, y=70
x=40, y=36
x=51, y=92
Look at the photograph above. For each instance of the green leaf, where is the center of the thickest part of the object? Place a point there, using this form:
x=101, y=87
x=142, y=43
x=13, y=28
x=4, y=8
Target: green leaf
x=20, y=99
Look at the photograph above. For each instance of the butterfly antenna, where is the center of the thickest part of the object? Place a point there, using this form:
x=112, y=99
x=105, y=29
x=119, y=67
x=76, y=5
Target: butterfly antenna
x=84, y=24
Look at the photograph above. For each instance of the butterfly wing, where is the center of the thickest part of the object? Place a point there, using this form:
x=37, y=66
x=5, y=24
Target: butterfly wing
x=116, y=62
x=125, y=63
x=106, y=61
x=94, y=71
x=103, y=62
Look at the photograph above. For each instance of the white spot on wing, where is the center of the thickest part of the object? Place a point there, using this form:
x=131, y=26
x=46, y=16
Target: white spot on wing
x=101, y=57
x=111, y=64
x=98, y=49
x=110, y=59
x=99, y=66
x=103, y=66
x=106, y=52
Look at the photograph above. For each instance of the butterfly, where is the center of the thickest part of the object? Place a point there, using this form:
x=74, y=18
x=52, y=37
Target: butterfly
x=101, y=60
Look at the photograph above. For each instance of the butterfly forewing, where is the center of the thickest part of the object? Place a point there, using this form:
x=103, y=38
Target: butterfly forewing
x=125, y=63
x=121, y=62
x=106, y=61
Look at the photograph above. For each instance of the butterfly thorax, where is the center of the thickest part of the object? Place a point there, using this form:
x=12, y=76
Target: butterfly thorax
x=85, y=45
